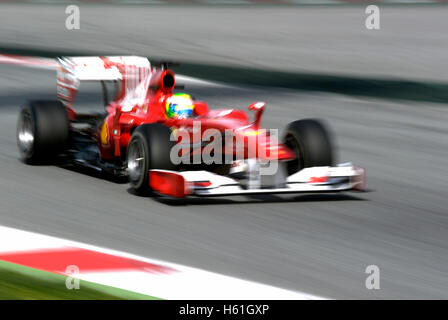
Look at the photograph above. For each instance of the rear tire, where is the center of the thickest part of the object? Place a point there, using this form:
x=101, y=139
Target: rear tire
x=42, y=131
x=310, y=141
x=149, y=148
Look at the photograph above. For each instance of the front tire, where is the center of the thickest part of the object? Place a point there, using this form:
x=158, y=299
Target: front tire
x=149, y=148
x=311, y=142
x=42, y=130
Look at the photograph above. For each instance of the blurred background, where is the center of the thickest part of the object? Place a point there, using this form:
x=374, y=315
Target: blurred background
x=383, y=93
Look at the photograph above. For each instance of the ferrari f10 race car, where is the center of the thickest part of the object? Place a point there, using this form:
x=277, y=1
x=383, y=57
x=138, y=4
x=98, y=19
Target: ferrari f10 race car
x=170, y=144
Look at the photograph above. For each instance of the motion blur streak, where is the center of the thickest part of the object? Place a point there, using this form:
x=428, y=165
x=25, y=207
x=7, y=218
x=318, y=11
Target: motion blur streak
x=320, y=244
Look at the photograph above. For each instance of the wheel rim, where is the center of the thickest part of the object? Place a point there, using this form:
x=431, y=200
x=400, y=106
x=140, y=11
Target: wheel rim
x=135, y=161
x=25, y=133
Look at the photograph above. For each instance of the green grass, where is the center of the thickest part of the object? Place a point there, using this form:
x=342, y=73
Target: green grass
x=22, y=283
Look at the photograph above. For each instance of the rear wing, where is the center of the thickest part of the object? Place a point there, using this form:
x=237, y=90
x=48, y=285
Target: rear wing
x=132, y=73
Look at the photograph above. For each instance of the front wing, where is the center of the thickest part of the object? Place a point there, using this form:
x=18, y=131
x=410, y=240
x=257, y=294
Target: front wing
x=205, y=183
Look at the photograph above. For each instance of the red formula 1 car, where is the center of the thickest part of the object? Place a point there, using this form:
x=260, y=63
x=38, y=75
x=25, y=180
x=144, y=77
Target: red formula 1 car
x=170, y=144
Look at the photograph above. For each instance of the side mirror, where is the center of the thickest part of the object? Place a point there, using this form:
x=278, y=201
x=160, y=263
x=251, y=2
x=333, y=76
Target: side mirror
x=200, y=108
x=258, y=107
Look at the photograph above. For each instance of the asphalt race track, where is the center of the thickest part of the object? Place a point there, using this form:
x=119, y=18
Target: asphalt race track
x=319, y=244
x=411, y=43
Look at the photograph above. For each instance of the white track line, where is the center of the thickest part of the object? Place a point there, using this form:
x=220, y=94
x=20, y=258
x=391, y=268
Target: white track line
x=186, y=283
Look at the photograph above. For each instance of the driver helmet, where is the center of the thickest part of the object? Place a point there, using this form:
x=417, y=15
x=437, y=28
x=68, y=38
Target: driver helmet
x=179, y=105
